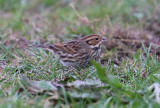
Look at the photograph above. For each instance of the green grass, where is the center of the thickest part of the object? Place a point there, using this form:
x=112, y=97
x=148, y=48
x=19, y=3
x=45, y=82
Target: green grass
x=126, y=85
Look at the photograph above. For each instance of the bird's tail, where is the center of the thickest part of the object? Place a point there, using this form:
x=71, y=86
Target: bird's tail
x=44, y=45
x=39, y=45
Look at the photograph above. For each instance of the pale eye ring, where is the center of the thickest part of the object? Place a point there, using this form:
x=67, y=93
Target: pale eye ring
x=96, y=38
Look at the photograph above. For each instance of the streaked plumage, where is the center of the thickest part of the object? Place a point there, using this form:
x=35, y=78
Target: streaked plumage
x=79, y=52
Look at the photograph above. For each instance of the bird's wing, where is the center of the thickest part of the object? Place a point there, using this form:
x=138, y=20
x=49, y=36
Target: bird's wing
x=72, y=47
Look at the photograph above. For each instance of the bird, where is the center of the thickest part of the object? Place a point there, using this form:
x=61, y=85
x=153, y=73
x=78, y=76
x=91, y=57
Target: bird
x=78, y=53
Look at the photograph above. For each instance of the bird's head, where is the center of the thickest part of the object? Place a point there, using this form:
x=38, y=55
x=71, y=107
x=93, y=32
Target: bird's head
x=94, y=41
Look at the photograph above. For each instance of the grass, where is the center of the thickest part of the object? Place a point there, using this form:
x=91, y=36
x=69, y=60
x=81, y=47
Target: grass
x=132, y=83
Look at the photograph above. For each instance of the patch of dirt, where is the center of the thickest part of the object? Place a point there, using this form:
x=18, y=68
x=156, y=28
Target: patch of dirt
x=17, y=41
x=153, y=23
x=127, y=41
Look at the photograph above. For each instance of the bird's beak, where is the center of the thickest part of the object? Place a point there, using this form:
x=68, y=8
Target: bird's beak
x=104, y=39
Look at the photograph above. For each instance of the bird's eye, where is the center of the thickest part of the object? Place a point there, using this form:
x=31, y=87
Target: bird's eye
x=96, y=38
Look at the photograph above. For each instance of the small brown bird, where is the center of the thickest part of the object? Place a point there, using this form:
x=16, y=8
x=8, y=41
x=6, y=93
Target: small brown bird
x=78, y=53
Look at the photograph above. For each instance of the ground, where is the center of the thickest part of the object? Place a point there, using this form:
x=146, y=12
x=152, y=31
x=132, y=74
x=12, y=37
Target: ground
x=128, y=75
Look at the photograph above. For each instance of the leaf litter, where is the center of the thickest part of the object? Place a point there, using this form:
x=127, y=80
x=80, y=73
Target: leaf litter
x=55, y=90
